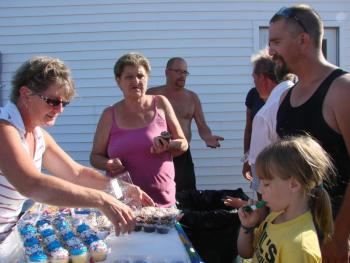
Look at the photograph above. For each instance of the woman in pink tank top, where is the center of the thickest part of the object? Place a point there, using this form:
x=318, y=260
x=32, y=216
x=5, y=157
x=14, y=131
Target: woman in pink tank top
x=128, y=133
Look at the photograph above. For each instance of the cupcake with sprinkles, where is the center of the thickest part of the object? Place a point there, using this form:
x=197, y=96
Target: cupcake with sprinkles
x=98, y=250
x=84, y=231
x=32, y=246
x=37, y=257
x=30, y=242
x=70, y=239
x=27, y=231
x=43, y=224
x=48, y=235
x=79, y=254
x=77, y=250
x=28, y=251
x=57, y=253
x=62, y=226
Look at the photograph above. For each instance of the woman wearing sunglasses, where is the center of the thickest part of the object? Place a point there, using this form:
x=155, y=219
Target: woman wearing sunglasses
x=128, y=136
x=41, y=88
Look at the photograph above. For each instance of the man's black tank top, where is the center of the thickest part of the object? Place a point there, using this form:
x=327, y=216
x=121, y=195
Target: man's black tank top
x=308, y=118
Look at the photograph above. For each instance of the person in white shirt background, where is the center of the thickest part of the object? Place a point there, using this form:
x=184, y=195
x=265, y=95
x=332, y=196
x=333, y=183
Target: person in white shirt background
x=271, y=80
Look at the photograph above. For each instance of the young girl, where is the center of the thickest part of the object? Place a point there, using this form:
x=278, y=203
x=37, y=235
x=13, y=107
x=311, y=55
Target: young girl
x=291, y=173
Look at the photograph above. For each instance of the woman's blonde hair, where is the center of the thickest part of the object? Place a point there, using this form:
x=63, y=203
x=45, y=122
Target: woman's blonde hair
x=304, y=159
x=38, y=73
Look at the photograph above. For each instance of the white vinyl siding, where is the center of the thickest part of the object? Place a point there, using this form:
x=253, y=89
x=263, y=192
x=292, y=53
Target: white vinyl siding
x=215, y=37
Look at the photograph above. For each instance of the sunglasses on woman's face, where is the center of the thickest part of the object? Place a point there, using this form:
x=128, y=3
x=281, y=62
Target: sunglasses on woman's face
x=53, y=102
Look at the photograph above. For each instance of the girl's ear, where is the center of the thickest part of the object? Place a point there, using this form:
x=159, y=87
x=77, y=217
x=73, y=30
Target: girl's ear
x=294, y=185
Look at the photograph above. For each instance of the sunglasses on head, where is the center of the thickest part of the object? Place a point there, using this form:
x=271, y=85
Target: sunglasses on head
x=52, y=102
x=289, y=13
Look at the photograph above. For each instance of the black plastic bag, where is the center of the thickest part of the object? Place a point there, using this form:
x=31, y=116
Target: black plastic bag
x=211, y=226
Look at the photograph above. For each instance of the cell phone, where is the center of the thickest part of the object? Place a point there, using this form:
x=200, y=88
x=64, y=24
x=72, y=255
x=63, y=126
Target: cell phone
x=165, y=135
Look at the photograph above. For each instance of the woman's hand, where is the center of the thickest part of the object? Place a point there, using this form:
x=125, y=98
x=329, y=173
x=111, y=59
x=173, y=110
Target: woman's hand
x=160, y=145
x=137, y=194
x=119, y=214
x=115, y=166
x=247, y=172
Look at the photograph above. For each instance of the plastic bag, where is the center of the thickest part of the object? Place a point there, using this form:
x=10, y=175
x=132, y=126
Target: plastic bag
x=124, y=190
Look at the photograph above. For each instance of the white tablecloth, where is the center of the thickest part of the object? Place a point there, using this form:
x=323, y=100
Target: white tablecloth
x=147, y=247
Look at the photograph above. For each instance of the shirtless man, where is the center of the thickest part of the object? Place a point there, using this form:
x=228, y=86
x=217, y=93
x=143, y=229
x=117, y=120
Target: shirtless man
x=187, y=107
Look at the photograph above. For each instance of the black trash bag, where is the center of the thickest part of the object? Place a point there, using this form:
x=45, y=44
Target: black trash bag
x=211, y=226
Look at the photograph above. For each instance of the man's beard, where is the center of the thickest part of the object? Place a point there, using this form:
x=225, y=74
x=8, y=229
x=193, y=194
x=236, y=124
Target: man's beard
x=281, y=69
x=180, y=83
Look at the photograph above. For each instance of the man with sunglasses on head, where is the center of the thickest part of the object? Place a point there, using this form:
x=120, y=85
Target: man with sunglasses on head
x=187, y=107
x=319, y=105
x=41, y=88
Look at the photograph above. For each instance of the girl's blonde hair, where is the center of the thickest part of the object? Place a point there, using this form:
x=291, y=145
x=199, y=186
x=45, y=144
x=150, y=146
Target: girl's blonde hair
x=303, y=158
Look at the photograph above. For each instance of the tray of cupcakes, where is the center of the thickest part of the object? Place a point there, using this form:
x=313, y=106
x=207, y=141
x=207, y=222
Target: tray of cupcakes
x=54, y=235
x=62, y=235
x=156, y=219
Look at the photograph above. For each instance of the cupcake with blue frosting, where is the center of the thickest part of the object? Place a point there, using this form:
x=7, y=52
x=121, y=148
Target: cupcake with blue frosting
x=30, y=242
x=79, y=253
x=62, y=226
x=57, y=253
x=32, y=245
x=28, y=231
x=84, y=231
x=37, y=257
x=77, y=250
x=43, y=224
x=48, y=235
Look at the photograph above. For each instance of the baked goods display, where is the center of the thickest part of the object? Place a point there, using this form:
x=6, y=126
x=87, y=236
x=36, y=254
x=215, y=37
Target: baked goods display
x=60, y=237
x=80, y=235
x=156, y=219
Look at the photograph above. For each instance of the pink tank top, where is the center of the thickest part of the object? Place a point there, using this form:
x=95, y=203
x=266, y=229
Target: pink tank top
x=153, y=173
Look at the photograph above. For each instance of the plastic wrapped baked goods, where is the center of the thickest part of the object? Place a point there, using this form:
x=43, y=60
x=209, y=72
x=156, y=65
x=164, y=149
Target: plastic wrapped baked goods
x=62, y=236
x=124, y=190
x=158, y=219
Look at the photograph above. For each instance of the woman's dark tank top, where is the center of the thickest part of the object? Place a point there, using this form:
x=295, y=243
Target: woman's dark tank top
x=308, y=118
